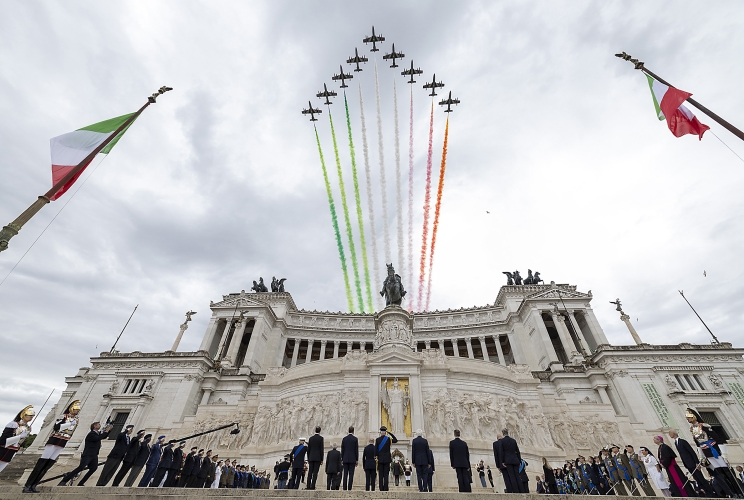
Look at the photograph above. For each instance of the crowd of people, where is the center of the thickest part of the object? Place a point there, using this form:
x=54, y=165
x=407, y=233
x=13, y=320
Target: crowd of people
x=612, y=471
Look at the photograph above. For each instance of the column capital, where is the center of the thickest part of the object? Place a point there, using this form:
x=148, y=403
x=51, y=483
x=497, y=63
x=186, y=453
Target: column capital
x=468, y=340
x=323, y=342
x=570, y=312
x=336, y=342
x=481, y=338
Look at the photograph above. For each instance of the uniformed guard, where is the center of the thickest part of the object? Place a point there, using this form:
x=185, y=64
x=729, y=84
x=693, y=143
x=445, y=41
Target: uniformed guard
x=638, y=470
x=384, y=457
x=62, y=431
x=623, y=468
x=14, y=434
x=586, y=475
x=612, y=472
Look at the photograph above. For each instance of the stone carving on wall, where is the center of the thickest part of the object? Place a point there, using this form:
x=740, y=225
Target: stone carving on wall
x=433, y=357
x=393, y=330
x=670, y=382
x=589, y=433
x=716, y=381
x=222, y=439
x=298, y=416
x=356, y=356
x=481, y=416
x=114, y=386
x=191, y=376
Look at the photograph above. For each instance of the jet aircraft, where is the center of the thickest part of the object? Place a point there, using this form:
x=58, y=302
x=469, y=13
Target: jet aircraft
x=311, y=112
x=394, y=55
x=374, y=39
x=411, y=72
x=356, y=60
x=449, y=102
x=326, y=93
x=433, y=85
x=342, y=76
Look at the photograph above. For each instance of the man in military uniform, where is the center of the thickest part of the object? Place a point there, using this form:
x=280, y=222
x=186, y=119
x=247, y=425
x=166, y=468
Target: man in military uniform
x=384, y=457
x=612, y=473
x=638, y=471
x=298, y=463
x=14, y=434
x=129, y=457
x=175, y=468
x=623, y=469
x=115, y=456
x=62, y=431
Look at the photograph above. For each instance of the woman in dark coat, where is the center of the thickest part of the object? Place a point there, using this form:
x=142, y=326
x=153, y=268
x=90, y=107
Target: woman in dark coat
x=549, y=477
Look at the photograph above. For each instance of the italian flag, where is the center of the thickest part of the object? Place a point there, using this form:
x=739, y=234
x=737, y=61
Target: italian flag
x=68, y=150
x=668, y=102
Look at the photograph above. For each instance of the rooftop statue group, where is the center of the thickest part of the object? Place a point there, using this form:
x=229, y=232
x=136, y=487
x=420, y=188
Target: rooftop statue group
x=276, y=285
x=516, y=279
x=392, y=288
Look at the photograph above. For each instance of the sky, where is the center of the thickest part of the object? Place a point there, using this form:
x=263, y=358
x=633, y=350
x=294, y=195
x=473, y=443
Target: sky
x=556, y=163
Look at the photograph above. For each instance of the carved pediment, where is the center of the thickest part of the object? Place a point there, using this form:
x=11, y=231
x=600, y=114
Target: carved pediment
x=394, y=356
x=558, y=293
x=237, y=300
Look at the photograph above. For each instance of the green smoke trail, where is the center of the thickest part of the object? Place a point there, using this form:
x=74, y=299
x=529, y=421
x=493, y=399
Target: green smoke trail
x=334, y=219
x=345, y=206
x=357, y=198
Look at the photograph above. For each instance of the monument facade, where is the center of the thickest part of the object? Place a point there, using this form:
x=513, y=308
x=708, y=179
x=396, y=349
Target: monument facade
x=535, y=361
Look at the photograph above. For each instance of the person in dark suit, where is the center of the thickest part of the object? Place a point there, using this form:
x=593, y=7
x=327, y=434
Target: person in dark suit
x=193, y=479
x=297, y=457
x=350, y=457
x=89, y=458
x=369, y=465
x=188, y=464
x=165, y=462
x=420, y=455
x=115, y=456
x=689, y=458
x=203, y=476
x=334, y=466
x=460, y=461
x=510, y=459
x=384, y=457
x=152, y=463
x=430, y=475
x=175, y=468
x=497, y=452
x=315, y=451
x=139, y=462
x=129, y=457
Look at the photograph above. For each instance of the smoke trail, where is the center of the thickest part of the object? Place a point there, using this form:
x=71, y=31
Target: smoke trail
x=370, y=202
x=360, y=221
x=398, y=196
x=427, y=200
x=345, y=206
x=383, y=182
x=410, y=204
x=436, y=211
x=334, y=219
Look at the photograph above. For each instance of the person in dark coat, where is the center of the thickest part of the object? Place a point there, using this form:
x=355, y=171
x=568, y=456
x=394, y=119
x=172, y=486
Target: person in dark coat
x=677, y=482
x=350, y=457
x=175, y=468
x=193, y=473
x=203, y=477
x=523, y=477
x=281, y=472
x=334, y=467
x=369, y=465
x=497, y=452
x=89, y=458
x=139, y=462
x=129, y=457
x=115, y=456
x=689, y=458
x=509, y=458
x=430, y=475
x=188, y=464
x=460, y=461
x=297, y=457
x=420, y=455
x=315, y=451
x=152, y=463
x=550, y=484
x=384, y=457
x=165, y=462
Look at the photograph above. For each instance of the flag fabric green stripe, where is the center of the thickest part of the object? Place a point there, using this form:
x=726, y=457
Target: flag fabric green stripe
x=659, y=114
x=113, y=142
x=108, y=126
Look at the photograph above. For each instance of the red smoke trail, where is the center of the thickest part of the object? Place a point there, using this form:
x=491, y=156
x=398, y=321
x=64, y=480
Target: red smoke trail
x=437, y=210
x=410, y=202
x=427, y=202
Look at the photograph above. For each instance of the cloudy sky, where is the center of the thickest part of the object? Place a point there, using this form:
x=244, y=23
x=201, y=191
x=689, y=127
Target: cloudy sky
x=556, y=163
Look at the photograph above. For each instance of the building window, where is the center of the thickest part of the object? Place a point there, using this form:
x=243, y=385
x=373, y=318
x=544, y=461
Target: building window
x=134, y=385
x=120, y=418
x=710, y=418
x=699, y=381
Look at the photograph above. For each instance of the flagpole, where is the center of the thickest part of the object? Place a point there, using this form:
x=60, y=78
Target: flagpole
x=14, y=227
x=639, y=65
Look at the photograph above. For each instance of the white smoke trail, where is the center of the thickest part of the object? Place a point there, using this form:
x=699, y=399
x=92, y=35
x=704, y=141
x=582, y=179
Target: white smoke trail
x=370, y=203
x=410, y=204
x=399, y=197
x=383, y=182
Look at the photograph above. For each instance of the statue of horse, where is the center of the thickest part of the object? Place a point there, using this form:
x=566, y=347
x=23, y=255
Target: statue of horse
x=529, y=280
x=392, y=288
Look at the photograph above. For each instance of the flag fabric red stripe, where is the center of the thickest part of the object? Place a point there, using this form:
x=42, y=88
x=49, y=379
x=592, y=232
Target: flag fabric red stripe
x=58, y=172
x=681, y=121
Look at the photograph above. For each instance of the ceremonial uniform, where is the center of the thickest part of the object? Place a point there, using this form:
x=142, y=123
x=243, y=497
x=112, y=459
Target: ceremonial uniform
x=14, y=434
x=175, y=468
x=707, y=440
x=129, y=457
x=166, y=460
x=139, y=463
x=384, y=457
x=188, y=464
x=638, y=470
x=297, y=457
x=612, y=474
x=61, y=434
x=623, y=469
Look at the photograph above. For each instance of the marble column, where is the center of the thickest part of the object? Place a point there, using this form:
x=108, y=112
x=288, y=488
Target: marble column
x=374, y=406
x=542, y=329
x=209, y=337
x=631, y=328
x=296, y=352
x=223, y=337
x=349, y=346
x=283, y=349
x=575, y=325
x=427, y=344
x=469, y=346
x=232, y=352
x=336, y=344
x=323, y=344
x=363, y=346
x=456, y=348
x=441, y=346
x=309, y=355
x=595, y=328
x=566, y=340
x=484, y=349
x=205, y=396
x=499, y=350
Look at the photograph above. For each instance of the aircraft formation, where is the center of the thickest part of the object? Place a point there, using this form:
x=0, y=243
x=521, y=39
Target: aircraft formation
x=357, y=59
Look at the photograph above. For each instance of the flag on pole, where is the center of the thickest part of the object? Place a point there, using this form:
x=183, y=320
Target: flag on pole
x=68, y=150
x=668, y=102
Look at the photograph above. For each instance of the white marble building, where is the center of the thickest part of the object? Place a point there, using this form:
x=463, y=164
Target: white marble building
x=535, y=361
